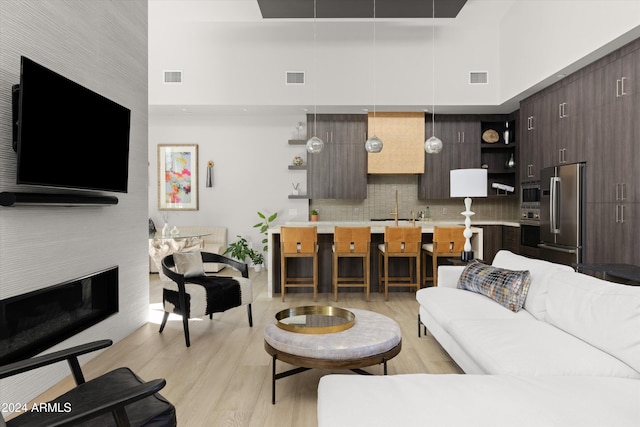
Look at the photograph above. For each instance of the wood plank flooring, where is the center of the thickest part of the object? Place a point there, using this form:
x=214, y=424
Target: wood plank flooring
x=224, y=378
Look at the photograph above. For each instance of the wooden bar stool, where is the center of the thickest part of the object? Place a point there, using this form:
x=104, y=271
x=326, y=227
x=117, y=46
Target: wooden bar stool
x=448, y=242
x=400, y=242
x=351, y=242
x=299, y=242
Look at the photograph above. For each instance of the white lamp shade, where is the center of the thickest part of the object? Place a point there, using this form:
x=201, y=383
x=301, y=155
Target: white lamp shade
x=468, y=183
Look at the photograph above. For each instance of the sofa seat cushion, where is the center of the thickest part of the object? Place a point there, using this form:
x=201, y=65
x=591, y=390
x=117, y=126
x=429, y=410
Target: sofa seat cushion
x=507, y=287
x=447, y=304
x=604, y=314
x=417, y=400
x=532, y=347
x=540, y=271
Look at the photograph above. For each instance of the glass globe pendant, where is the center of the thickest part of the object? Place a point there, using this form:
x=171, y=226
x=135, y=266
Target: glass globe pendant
x=373, y=145
x=314, y=145
x=433, y=145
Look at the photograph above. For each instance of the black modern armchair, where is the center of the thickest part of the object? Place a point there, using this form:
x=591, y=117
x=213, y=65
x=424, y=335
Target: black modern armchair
x=191, y=293
x=117, y=398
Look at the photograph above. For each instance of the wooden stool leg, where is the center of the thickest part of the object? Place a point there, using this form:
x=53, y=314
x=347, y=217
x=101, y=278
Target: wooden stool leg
x=334, y=276
x=315, y=278
x=386, y=278
x=283, y=275
x=435, y=270
x=367, y=275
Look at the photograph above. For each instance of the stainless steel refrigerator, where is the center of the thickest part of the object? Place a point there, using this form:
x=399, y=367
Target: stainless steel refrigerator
x=562, y=203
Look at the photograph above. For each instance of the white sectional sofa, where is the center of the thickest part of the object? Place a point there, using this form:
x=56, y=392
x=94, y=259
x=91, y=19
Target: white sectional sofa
x=569, y=357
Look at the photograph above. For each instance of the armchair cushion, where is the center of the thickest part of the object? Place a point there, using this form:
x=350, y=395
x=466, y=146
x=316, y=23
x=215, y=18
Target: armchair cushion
x=189, y=264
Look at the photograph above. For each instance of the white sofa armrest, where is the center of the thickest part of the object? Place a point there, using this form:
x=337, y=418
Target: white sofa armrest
x=448, y=275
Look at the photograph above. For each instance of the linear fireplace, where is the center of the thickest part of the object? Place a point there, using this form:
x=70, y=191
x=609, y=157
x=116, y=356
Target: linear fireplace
x=30, y=323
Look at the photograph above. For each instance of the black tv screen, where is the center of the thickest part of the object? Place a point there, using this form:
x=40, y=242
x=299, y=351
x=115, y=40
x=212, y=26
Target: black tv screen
x=68, y=135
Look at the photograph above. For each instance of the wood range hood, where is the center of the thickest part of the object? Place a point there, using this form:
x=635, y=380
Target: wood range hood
x=402, y=136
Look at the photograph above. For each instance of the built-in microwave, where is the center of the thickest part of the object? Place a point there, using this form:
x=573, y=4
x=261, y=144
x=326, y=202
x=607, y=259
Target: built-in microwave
x=530, y=193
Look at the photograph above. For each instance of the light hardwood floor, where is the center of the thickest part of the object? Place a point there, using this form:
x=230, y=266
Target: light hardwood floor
x=224, y=378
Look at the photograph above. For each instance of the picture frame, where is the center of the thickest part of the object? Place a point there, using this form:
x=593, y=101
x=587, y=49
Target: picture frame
x=178, y=177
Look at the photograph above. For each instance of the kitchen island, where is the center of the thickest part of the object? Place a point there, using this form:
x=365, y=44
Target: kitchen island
x=325, y=240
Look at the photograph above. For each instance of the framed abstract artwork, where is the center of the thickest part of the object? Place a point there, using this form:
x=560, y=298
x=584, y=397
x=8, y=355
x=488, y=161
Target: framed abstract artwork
x=178, y=177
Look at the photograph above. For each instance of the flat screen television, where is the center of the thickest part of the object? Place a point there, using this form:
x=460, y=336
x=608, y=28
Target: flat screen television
x=67, y=135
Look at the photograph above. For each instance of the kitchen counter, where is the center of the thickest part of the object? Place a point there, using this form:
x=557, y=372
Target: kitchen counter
x=325, y=238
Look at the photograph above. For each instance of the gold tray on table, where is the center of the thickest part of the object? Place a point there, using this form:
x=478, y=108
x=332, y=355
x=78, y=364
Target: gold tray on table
x=315, y=319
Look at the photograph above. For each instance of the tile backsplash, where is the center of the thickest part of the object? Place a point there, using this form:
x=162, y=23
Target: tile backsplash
x=380, y=203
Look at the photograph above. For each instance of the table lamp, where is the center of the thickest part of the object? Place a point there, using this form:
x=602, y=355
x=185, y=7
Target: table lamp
x=468, y=183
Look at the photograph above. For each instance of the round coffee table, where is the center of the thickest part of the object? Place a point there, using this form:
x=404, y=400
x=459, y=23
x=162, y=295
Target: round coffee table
x=373, y=339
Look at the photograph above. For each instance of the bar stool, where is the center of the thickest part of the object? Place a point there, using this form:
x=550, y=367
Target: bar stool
x=448, y=242
x=400, y=242
x=299, y=242
x=351, y=242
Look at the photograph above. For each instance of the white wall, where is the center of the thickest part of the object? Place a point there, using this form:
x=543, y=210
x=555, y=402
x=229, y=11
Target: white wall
x=231, y=57
x=250, y=174
x=102, y=45
x=557, y=35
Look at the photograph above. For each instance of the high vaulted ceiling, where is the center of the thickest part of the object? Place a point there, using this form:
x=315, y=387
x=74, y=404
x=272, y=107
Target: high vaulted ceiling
x=360, y=8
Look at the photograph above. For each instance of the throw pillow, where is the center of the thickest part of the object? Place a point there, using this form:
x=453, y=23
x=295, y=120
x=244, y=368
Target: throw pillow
x=507, y=287
x=189, y=264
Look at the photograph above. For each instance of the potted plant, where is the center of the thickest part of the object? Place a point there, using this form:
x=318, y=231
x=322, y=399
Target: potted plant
x=257, y=258
x=239, y=249
x=264, y=227
x=314, y=214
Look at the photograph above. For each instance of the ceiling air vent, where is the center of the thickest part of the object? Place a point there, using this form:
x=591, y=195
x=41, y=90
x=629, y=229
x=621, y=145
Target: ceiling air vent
x=295, y=78
x=174, y=76
x=478, y=77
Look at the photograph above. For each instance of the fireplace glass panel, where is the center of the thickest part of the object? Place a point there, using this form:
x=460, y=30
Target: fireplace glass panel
x=30, y=323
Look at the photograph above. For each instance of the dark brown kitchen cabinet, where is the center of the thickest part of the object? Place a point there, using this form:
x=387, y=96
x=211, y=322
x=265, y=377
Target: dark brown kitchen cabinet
x=492, y=241
x=612, y=235
x=613, y=154
x=461, y=150
x=511, y=238
x=531, y=138
x=563, y=110
x=339, y=171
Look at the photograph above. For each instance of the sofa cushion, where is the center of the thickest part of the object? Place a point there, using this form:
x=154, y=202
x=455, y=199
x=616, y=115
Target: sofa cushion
x=189, y=264
x=602, y=313
x=417, y=400
x=507, y=287
x=532, y=347
x=446, y=304
x=540, y=271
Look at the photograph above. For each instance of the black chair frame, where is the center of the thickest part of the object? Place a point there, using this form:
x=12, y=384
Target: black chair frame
x=103, y=399
x=168, y=263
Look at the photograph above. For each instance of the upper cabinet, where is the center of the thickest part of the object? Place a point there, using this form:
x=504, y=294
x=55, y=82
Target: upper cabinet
x=461, y=150
x=530, y=143
x=339, y=171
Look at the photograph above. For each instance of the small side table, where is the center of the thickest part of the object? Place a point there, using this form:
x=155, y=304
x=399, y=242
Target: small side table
x=627, y=274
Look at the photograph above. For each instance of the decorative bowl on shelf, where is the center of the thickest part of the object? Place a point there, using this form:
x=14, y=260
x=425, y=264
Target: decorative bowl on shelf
x=490, y=136
x=297, y=161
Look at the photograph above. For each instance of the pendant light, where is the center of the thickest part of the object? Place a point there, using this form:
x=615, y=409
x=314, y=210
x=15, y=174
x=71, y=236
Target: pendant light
x=433, y=145
x=314, y=144
x=374, y=144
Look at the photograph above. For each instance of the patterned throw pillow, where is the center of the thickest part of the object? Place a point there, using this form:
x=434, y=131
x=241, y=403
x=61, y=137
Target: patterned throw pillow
x=189, y=264
x=507, y=287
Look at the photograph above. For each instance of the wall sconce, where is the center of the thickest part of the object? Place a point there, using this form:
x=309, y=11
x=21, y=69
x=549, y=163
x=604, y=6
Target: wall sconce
x=210, y=173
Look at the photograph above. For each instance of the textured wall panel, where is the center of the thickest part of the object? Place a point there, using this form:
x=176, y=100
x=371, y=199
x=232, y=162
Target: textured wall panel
x=102, y=45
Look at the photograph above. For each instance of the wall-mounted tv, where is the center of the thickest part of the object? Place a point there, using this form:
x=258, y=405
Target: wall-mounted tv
x=67, y=135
